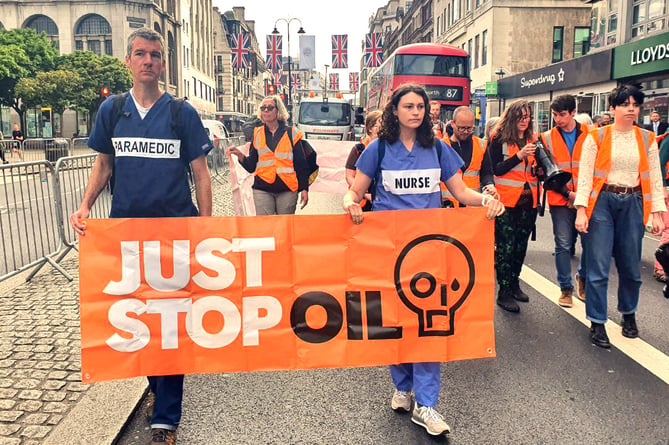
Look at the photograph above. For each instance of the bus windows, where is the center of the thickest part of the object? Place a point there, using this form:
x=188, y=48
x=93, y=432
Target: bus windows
x=431, y=65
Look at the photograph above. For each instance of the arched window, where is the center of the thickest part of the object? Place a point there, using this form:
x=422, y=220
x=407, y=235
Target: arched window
x=156, y=28
x=93, y=33
x=172, y=59
x=42, y=23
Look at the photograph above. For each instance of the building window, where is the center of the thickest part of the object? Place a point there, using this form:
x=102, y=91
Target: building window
x=484, y=48
x=456, y=10
x=96, y=32
x=171, y=59
x=581, y=41
x=476, y=51
x=558, y=41
x=469, y=48
x=612, y=23
x=438, y=25
x=42, y=23
x=648, y=16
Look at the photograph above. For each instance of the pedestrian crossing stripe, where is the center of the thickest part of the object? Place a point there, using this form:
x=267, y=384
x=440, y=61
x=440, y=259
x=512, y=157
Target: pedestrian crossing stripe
x=637, y=349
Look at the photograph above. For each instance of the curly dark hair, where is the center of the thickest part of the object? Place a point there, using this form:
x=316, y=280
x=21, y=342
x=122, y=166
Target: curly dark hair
x=506, y=128
x=390, y=125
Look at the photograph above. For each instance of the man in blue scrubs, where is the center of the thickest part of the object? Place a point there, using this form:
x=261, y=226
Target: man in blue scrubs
x=150, y=155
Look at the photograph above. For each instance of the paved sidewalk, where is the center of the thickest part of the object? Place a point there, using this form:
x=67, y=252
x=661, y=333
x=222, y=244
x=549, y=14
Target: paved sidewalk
x=42, y=399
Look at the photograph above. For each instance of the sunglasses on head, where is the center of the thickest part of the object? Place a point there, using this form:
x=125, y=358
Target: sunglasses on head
x=267, y=108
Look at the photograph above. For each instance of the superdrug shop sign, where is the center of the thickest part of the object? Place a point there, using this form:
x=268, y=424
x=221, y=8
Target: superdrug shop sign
x=571, y=73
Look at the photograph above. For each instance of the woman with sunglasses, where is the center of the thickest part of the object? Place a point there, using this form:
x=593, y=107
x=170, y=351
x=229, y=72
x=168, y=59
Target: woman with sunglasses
x=511, y=152
x=276, y=158
x=411, y=151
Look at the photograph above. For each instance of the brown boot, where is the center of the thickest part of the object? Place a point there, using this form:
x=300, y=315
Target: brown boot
x=565, y=299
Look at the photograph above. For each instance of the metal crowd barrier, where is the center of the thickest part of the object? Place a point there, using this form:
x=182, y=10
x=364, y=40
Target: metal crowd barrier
x=28, y=219
x=38, y=197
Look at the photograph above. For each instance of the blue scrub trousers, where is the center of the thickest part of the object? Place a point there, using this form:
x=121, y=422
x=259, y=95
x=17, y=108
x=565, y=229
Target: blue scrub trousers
x=423, y=378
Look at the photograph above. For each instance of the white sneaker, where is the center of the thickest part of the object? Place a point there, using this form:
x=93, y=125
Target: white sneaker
x=401, y=401
x=430, y=419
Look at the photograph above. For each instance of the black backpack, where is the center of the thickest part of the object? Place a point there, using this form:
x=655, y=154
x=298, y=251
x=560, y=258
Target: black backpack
x=309, y=154
x=118, y=107
x=249, y=126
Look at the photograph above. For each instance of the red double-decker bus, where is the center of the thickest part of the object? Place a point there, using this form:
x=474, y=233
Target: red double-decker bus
x=442, y=69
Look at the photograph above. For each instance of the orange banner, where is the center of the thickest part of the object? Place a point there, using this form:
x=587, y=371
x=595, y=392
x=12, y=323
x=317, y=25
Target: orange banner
x=222, y=294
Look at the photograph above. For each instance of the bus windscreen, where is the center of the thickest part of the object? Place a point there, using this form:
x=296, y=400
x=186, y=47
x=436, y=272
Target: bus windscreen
x=431, y=65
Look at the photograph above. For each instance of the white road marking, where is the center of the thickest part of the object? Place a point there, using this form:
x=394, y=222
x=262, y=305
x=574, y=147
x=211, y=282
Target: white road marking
x=638, y=350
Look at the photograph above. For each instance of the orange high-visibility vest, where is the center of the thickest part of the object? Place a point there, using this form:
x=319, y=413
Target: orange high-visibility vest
x=511, y=185
x=566, y=162
x=277, y=162
x=437, y=130
x=472, y=175
x=602, y=137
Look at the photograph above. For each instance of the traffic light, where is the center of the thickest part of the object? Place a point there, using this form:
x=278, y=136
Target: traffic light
x=104, y=91
x=271, y=89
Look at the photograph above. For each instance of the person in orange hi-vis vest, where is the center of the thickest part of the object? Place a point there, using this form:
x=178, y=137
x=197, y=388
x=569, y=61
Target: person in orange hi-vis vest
x=564, y=142
x=277, y=160
x=619, y=191
x=372, y=126
x=511, y=152
x=477, y=171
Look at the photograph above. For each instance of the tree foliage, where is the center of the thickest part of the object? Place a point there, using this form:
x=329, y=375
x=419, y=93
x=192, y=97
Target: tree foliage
x=23, y=53
x=57, y=89
x=95, y=73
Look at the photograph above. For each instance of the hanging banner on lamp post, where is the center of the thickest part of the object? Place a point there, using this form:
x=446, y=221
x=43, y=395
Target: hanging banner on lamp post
x=307, y=52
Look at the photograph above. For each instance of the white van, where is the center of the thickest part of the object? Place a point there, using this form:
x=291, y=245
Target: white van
x=215, y=130
x=325, y=118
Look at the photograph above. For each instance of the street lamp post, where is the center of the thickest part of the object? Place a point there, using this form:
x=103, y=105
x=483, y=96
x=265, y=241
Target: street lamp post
x=290, y=80
x=500, y=72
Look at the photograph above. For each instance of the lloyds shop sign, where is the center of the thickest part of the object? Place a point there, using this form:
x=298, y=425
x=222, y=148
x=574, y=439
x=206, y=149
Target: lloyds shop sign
x=641, y=57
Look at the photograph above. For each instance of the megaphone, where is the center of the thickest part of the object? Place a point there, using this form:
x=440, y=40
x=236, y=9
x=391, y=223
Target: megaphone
x=554, y=179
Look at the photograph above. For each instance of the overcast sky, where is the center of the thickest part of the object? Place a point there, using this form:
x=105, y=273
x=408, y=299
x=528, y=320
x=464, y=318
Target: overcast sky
x=319, y=18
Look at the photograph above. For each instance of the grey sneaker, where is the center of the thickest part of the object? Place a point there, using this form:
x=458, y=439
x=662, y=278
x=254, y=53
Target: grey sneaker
x=401, y=401
x=430, y=419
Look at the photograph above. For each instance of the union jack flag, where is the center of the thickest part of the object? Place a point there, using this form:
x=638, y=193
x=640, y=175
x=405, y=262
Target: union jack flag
x=274, y=52
x=334, y=81
x=240, y=44
x=340, y=51
x=373, y=50
x=295, y=80
x=277, y=80
x=353, y=81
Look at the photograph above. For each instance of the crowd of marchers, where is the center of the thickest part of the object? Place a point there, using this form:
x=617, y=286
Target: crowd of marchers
x=615, y=185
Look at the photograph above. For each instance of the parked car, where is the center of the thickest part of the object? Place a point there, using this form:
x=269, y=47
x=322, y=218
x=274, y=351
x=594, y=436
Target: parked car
x=215, y=130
